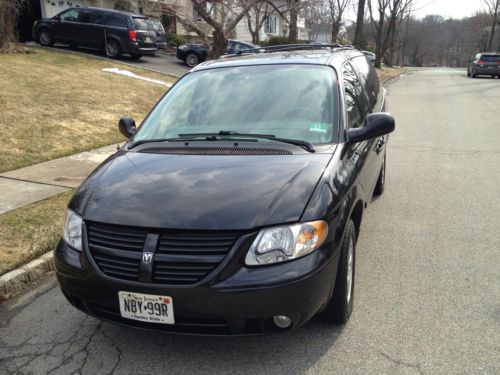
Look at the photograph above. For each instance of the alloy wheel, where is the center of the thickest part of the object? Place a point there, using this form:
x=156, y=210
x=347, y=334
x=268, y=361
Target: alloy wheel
x=350, y=269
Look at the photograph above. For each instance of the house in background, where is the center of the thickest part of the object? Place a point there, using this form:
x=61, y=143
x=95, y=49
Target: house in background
x=159, y=9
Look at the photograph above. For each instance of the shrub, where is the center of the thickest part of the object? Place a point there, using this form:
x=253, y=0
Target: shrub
x=124, y=5
x=175, y=39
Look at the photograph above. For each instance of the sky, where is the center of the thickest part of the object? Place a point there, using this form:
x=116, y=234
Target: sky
x=448, y=8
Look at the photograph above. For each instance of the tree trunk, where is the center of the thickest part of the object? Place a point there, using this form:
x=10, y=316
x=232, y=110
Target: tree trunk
x=219, y=43
x=335, y=32
x=358, y=33
x=493, y=26
x=378, y=42
x=292, y=27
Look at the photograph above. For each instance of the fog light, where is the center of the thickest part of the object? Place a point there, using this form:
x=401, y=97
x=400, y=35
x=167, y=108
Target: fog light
x=282, y=321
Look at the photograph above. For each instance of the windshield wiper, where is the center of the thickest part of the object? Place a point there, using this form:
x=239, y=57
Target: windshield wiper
x=176, y=139
x=307, y=145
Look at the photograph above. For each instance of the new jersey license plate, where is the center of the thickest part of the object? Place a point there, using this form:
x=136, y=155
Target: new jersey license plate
x=146, y=307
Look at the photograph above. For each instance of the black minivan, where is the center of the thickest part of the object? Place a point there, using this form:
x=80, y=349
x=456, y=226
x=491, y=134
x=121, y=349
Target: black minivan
x=235, y=207
x=112, y=31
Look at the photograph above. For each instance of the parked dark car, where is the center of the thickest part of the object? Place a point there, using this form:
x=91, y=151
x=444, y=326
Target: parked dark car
x=111, y=31
x=236, y=206
x=370, y=56
x=193, y=54
x=484, y=64
x=161, y=40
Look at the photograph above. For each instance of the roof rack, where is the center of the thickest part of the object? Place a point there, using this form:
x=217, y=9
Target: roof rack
x=291, y=47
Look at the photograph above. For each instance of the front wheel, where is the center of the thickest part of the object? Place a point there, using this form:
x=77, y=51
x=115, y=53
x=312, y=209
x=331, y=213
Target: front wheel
x=340, y=307
x=45, y=38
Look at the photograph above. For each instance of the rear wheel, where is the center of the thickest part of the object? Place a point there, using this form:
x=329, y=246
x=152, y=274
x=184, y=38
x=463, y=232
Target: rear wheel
x=45, y=38
x=113, y=49
x=380, y=186
x=339, y=308
x=192, y=59
x=473, y=73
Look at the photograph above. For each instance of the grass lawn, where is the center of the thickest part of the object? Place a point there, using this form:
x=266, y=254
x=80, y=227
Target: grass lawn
x=54, y=104
x=31, y=231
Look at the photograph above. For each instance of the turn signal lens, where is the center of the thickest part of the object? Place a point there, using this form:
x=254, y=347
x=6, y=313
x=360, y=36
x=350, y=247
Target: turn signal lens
x=279, y=244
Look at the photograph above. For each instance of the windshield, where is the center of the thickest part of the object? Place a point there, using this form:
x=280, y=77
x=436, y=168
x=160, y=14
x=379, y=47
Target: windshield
x=142, y=24
x=288, y=101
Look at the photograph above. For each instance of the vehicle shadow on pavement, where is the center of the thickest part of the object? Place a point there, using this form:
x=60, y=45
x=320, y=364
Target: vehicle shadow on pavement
x=41, y=333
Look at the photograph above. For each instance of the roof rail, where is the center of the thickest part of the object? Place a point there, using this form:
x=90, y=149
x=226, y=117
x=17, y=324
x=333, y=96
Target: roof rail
x=291, y=47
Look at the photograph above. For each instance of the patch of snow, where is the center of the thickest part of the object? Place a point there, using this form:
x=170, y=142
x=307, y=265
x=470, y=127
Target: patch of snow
x=129, y=74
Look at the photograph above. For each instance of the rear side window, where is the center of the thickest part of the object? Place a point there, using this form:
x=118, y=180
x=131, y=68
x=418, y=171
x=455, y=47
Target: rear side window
x=114, y=20
x=355, y=100
x=142, y=24
x=368, y=77
x=87, y=16
x=490, y=58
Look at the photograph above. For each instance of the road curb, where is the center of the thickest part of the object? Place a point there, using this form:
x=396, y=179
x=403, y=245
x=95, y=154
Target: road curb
x=17, y=280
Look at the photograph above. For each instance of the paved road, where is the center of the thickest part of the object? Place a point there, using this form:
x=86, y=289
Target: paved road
x=428, y=288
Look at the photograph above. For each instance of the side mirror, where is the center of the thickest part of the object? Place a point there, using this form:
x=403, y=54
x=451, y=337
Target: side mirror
x=126, y=125
x=376, y=124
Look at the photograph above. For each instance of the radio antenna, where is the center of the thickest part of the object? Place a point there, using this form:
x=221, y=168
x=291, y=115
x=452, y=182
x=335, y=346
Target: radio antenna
x=113, y=108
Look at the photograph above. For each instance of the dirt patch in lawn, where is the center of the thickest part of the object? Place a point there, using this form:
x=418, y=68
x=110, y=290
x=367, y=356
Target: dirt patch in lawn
x=387, y=73
x=31, y=231
x=55, y=104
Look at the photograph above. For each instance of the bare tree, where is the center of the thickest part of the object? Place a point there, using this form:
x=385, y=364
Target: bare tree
x=256, y=16
x=337, y=8
x=384, y=22
x=360, y=18
x=9, y=14
x=493, y=8
x=221, y=15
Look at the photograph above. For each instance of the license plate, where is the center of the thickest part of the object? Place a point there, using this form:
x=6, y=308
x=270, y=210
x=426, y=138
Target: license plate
x=147, y=39
x=146, y=307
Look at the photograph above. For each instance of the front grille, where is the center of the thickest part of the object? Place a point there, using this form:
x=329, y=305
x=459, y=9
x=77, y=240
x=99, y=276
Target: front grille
x=181, y=258
x=217, y=151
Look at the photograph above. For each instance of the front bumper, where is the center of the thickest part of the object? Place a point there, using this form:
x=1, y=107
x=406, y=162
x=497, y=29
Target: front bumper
x=242, y=303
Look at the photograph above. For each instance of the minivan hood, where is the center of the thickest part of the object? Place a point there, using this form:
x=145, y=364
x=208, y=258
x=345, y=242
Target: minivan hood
x=199, y=191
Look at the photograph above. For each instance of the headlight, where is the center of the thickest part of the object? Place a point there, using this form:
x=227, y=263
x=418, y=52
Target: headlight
x=279, y=244
x=72, y=231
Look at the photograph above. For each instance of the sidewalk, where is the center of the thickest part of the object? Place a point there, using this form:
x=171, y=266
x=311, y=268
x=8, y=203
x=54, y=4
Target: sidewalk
x=31, y=184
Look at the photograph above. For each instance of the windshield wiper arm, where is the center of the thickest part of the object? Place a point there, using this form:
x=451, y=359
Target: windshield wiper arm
x=307, y=145
x=183, y=137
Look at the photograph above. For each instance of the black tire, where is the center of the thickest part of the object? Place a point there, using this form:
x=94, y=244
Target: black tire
x=45, y=38
x=340, y=307
x=468, y=74
x=380, y=186
x=113, y=49
x=473, y=74
x=192, y=59
x=135, y=56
